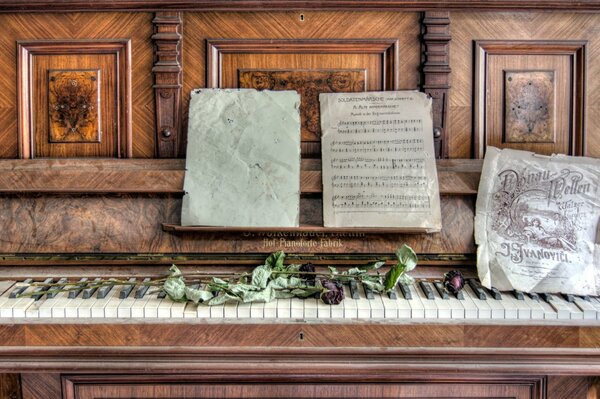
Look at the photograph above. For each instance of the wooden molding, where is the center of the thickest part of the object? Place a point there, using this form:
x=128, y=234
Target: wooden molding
x=436, y=73
x=387, y=48
x=575, y=50
x=26, y=50
x=167, y=70
x=297, y=5
x=456, y=177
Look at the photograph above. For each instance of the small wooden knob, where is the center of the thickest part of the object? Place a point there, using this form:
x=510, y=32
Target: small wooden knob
x=437, y=132
x=166, y=132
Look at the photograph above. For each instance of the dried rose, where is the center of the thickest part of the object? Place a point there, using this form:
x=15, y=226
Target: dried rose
x=308, y=269
x=334, y=294
x=454, y=281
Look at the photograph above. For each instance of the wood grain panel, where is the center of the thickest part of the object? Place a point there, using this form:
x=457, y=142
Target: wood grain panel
x=10, y=386
x=137, y=27
x=523, y=26
x=563, y=387
x=300, y=27
x=133, y=224
x=41, y=386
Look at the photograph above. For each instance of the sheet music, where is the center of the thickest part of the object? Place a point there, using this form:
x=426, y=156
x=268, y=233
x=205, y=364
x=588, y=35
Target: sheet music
x=378, y=163
x=536, y=223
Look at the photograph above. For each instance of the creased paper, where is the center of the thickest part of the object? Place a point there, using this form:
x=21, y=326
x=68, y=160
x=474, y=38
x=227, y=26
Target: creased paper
x=536, y=223
x=378, y=161
x=243, y=159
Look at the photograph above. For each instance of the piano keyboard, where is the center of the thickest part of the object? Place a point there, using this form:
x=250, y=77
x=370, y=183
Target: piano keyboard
x=423, y=300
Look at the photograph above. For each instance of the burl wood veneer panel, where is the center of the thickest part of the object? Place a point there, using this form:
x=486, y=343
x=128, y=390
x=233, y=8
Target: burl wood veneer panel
x=79, y=26
x=468, y=27
x=133, y=224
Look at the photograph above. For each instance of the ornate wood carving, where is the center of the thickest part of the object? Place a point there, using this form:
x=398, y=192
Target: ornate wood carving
x=167, y=70
x=529, y=106
x=34, y=57
x=309, y=84
x=73, y=105
x=496, y=124
x=436, y=73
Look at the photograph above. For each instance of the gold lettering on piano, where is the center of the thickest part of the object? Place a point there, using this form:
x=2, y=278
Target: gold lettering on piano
x=302, y=243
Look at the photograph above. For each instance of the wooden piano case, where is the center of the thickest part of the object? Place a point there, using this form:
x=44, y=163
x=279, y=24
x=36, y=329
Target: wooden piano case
x=103, y=199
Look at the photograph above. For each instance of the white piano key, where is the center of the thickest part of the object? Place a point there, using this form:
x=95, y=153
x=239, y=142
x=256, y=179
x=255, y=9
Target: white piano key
x=177, y=309
x=217, y=311
x=431, y=310
x=417, y=309
x=284, y=308
x=377, y=307
x=563, y=312
x=310, y=307
x=297, y=308
x=535, y=309
x=471, y=310
x=59, y=308
x=5, y=287
x=457, y=308
x=137, y=308
x=549, y=312
x=257, y=310
x=230, y=310
x=85, y=309
x=337, y=311
x=99, y=309
x=323, y=310
x=522, y=309
x=484, y=311
x=363, y=306
x=21, y=306
x=349, y=304
x=203, y=311
x=190, y=311
x=510, y=308
x=444, y=310
x=46, y=306
x=270, y=310
x=390, y=306
x=403, y=307
x=574, y=313
x=243, y=310
x=589, y=311
x=111, y=309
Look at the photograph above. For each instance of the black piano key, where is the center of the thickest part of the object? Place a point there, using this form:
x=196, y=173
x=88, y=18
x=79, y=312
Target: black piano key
x=569, y=298
x=534, y=296
x=405, y=291
x=586, y=298
x=40, y=291
x=354, y=289
x=392, y=295
x=162, y=295
x=60, y=285
x=19, y=290
x=127, y=289
x=73, y=294
x=193, y=286
x=460, y=296
x=477, y=289
x=89, y=292
x=142, y=289
x=368, y=292
x=546, y=297
x=103, y=291
x=496, y=294
x=426, y=288
x=441, y=290
x=519, y=295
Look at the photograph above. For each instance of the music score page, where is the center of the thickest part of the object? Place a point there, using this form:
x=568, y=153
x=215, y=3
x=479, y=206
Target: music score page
x=378, y=161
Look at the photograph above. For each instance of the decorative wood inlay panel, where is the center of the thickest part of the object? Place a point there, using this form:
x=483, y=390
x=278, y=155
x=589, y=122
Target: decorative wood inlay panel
x=167, y=72
x=36, y=62
x=309, y=84
x=73, y=105
x=378, y=58
x=436, y=73
x=496, y=61
x=529, y=107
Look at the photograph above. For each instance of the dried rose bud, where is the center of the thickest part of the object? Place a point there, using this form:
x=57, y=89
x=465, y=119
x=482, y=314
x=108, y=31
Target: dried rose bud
x=454, y=281
x=307, y=268
x=334, y=294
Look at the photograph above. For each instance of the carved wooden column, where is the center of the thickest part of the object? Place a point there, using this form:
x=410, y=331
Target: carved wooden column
x=436, y=73
x=167, y=72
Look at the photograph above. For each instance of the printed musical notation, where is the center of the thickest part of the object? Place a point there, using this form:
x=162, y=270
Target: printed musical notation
x=378, y=166
x=381, y=202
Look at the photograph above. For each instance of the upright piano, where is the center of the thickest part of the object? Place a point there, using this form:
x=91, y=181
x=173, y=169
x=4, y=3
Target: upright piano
x=104, y=200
